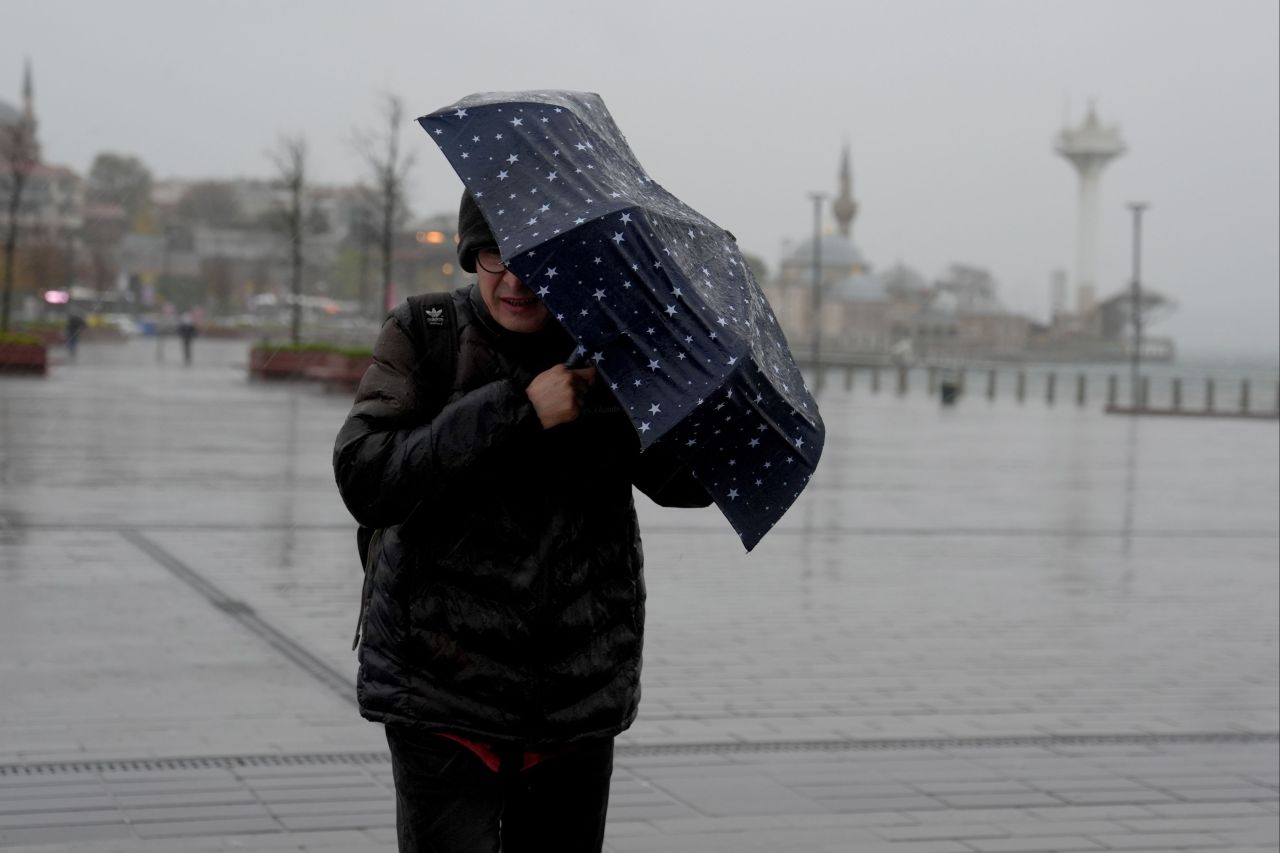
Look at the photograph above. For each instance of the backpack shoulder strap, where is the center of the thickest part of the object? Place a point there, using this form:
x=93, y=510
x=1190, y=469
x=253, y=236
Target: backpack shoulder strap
x=433, y=326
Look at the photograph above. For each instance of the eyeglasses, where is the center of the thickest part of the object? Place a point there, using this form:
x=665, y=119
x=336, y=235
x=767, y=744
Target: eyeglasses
x=490, y=261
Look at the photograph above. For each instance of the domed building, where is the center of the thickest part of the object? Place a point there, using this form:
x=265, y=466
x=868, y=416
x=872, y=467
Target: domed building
x=868, y=315
x=858, y=310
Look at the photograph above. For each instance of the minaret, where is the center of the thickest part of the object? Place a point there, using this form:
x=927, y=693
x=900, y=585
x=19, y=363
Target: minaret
x=844, y=207
x=1089, y=147
x=28, y=94
x=29, y=111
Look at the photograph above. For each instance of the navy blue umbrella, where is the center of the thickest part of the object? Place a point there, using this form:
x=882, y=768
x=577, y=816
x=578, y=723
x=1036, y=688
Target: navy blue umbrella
x=657, y=296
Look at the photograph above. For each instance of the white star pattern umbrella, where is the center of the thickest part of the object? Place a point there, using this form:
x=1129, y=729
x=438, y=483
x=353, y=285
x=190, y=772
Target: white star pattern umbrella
x=657, y=296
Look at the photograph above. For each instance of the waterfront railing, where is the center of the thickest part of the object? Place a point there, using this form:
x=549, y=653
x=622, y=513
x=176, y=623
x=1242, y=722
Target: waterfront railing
x=1164, y=390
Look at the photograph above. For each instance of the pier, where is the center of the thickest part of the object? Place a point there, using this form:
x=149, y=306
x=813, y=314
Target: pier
x=1165, y=389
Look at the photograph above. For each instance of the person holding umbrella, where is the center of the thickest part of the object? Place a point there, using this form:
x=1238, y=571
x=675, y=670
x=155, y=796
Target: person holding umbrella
x=502, y=638
x=659, y=298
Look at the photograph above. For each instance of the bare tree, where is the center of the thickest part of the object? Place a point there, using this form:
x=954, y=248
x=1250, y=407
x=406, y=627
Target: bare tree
x=17, y=162
x=290, y=158
x=390, y=169
x=362, y=229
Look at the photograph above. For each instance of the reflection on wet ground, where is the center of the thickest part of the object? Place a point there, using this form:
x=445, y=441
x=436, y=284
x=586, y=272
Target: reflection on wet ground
x=991, y=581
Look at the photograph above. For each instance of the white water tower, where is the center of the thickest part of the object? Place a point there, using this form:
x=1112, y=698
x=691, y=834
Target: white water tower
x=1089, y=147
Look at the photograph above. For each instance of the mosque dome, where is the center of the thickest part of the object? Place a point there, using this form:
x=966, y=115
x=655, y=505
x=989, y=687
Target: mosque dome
x=837, y=251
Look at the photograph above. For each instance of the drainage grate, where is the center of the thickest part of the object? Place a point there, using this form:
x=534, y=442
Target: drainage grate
x=217, y=762
x=232, y=762
x=994, y=742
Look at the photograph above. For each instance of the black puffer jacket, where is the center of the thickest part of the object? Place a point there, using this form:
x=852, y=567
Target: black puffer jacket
x=509, y=605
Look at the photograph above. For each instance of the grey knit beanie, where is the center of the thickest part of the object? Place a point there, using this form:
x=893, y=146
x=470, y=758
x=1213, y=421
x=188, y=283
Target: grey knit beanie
x=473, y=233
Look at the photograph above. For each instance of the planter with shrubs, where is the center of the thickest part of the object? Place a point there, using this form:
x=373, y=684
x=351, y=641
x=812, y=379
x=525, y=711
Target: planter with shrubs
x=335, y=365
x=23, y=353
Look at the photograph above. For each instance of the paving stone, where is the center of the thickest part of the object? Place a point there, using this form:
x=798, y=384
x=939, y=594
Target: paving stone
x=1161, y=841
x=1246, y=809
x=30, y=805
x=1076, y=786
x=73, y=817
x=985, y=786
x=1204, y=824
x=28, y=789
x=971, y=816
x=695, y=826
x=361, y=820
x=232, y=796
x=63, y=834
x=230, y=826
x=941, y=831
x=882, y=804
x=1244, y=793
x=741, y=796
x=1022, y=828
x=1020, y=800
x=276, y=796
x=650, y=811
x=346, y=841
x=841, y=791
x=1131, y=797
x=134, y=786
x=1034, y=844
x=299, y=809
x=152, y=814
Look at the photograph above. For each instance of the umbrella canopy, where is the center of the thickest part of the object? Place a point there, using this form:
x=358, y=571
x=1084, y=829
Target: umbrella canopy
x=658, y=297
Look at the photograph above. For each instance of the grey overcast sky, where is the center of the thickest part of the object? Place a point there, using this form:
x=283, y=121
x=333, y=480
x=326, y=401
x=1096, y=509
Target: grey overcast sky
x=740, y=108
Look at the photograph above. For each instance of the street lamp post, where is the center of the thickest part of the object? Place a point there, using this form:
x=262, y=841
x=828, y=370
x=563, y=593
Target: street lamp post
x=167, y=231
x=1135, y=293
x=818, y=199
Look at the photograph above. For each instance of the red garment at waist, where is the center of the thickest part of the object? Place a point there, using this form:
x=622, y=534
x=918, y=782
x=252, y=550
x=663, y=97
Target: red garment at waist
x=486, y=752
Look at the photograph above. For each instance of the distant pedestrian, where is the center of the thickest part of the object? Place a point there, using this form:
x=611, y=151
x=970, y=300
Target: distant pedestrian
x=75, y=327
x=186, y=331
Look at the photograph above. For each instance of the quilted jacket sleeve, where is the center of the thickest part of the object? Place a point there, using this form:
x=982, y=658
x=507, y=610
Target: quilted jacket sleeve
x=389, y=455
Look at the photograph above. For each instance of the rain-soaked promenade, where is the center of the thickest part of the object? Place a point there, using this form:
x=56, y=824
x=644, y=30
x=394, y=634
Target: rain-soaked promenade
x=991, y=628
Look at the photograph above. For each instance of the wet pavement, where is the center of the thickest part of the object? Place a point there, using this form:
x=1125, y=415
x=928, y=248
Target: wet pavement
x=999, y=627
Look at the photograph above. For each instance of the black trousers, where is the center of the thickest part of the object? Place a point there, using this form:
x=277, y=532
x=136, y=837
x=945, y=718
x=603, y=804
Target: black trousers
x=448, y=801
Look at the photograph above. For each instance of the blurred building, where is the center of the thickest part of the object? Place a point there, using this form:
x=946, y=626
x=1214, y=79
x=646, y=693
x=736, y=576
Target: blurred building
x=1103, y=333
x=52, y=201
x=227, y=234
x=431, y=255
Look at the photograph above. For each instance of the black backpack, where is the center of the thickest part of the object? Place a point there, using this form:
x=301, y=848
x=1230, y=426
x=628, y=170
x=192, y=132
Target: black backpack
x=434, y=334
